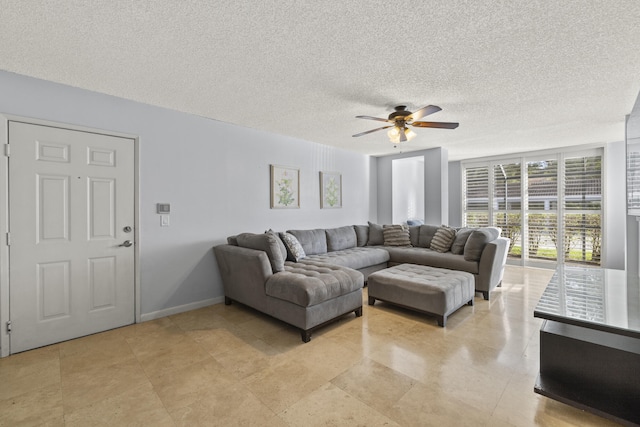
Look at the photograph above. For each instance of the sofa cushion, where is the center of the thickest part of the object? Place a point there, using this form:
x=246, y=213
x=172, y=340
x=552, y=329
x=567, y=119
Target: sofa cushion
x=423, y=256
x=426, y=235
x=310, y=284
x=396, y=235
x=312, y=241
x=443, y=239
x=295, y=251
x=376, y=237
x=232, y=240
x=362, y=234
x=457, y=247
x=355, y=258
x=341, y=238
x=267, y=242
x=414, y=235
x=478, y=240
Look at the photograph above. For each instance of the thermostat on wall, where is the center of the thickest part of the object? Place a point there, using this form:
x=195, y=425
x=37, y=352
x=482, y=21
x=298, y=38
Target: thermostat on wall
x=163, y=208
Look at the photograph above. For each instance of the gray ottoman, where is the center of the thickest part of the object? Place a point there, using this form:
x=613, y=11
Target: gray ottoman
x=431, y=290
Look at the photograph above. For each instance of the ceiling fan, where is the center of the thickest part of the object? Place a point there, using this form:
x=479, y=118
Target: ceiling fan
x=401, y=118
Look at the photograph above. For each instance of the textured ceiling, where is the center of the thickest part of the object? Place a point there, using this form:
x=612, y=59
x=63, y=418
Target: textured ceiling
x=517, y=75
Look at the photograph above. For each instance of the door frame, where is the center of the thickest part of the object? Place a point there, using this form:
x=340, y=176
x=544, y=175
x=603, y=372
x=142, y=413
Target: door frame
x=4, y=214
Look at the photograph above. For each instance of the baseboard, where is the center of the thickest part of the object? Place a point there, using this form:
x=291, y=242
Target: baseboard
x=180, y=309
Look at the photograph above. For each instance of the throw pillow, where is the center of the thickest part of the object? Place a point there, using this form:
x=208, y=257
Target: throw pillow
x=375, y=235
x=362, y=234
x=295, y=252
x=414, y=234
x=457, y=247
x=478, y=240
x=425, y=235
x=443, y=239
x=283, y=250
x=396, y=235
x=264, y=242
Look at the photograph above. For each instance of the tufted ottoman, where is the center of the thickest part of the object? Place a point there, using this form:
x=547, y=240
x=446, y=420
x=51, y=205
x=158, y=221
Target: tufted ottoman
x=436, y=291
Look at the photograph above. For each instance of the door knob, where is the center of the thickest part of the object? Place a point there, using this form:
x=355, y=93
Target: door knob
x=126, y=243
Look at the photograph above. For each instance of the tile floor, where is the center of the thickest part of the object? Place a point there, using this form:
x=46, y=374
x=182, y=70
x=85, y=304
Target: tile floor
x=229, y=365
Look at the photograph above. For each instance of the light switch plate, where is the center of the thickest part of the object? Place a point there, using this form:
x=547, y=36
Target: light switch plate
x=164, y=220
x=163, y=208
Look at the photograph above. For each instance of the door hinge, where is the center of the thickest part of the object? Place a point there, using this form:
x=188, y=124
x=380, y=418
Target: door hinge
x=8, y=239
x=7, y=151
x=9, y=327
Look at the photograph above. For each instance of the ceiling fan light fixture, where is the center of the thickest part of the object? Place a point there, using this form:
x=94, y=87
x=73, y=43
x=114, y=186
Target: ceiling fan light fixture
x=401, y=118
x=394, y=134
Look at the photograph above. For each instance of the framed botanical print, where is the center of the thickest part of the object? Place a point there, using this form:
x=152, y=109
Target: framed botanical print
x=285, y=187
x=330, y=190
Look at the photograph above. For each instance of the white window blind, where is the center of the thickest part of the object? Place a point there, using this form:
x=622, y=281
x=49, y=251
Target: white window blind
x=542, y=209
x=583, y=209
x=476, y=196
x=507, y=203
x=550, y=206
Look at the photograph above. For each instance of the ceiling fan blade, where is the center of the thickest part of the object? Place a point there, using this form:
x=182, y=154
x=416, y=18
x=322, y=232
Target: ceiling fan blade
x=424, y=111
x=374, y=118
x=439, y=125
x=372, y=130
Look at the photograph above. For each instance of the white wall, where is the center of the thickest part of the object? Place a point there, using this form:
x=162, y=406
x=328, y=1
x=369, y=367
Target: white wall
x=407, y=189
x=455, y=194
x=615, y=203
x=215, y=175
x=436, y=191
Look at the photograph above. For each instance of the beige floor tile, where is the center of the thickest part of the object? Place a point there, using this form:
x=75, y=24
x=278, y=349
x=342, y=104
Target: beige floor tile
x=230, y=365
x=152, y=329
x=183, y=387
x=33, y=408
x=201, y=318
x=235, y=313
x=520, y=406
x=218, y=341
x=159, y=357
x=324, y=357
x=331, y=406
x=235, y=407
x=28, y=371
x=374, y=384
x=415, y=359
x=262, y=325
x=103, y=340
x=135, y=407
x=424, y=405
x=283, y=384
x=246, y=359
x=90, y=352
x=89, y=386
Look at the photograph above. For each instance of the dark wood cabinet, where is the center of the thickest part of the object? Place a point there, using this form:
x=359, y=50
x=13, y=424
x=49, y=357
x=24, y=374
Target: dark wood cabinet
x=590, y=342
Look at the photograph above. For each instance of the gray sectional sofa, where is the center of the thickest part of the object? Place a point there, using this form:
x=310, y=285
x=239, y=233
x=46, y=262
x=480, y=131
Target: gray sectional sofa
x=322, y=278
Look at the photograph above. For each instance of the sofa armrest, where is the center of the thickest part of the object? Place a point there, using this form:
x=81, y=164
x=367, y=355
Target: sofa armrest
x=492, y=262
x=244, y=272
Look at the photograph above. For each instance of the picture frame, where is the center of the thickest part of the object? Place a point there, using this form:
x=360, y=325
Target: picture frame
x=285, y=187
x=330, y=190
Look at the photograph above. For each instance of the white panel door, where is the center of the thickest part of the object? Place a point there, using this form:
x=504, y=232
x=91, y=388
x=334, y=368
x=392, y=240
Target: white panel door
x=71, y=209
